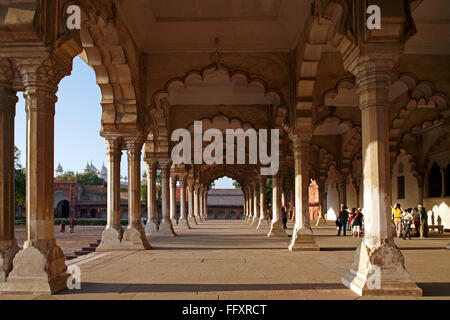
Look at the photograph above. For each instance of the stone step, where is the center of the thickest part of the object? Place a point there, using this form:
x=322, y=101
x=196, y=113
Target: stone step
x=81, y=253
x=70, y=257
x=88, y=249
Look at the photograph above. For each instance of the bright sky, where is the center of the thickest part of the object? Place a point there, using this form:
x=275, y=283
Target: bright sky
x=77, y=125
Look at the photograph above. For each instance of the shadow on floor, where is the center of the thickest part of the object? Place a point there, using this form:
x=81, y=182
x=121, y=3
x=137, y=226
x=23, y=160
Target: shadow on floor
x=89, y=287
x=435, y=289
x=217, y=248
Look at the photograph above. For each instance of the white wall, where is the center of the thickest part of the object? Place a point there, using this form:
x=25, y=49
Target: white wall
x=332, y=203
x=440, y=207
x=351, y=196
x=411, y=188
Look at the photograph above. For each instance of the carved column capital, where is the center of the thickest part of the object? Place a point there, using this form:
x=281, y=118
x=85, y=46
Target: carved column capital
x=182, y=179
x=113, y=147
x=165, y=165
x=43, y=73
x=151, y=165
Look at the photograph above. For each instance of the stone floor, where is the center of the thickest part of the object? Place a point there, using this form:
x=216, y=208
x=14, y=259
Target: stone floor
x=231, y=260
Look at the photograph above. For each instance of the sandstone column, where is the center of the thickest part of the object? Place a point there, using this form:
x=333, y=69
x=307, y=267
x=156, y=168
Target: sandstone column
x=245, y=204
x=173, y=200
x=8, y=242
x=302, y=235
x=165, y=227
x=262, y=203
x=321, y=221
x=250, y=205
x=191, y=217
x=152, y=226
x=276, y=226
x=205, y=204
x=255, y=204
x=112, y=235
x=39, y=267
x=342, y=188
x=379, y=266
x=134, y=235
x=196, y=203
x=183, y=221
x=200, y=204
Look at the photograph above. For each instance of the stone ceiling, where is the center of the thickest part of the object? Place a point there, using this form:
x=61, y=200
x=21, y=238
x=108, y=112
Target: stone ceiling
x=192, y=25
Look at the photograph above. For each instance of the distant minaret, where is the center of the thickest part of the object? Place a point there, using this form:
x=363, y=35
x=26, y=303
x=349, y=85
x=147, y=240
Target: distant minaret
x=59, y=170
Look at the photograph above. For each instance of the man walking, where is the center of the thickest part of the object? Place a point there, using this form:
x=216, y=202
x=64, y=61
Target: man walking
x=423, y=216
x=343, y=218
x=407, y=221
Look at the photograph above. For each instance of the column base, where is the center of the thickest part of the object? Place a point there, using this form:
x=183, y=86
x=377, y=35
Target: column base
x=8, y=250
x=192, y=221
x=37, y=271
x=321, y=222
x=277, y=230
x=202, y=219
x=183, y=224
x=151, y=227
x=303, y=240
x=134, y=238
x=198, y=219
x=249, y=219
x=166, y=229
x=255, y=221
x=262, y=224
x=111, y=238
x=174, y=222
x=379, y=270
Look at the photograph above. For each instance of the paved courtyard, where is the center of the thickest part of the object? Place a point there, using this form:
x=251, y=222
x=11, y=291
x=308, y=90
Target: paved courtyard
x=228, y=259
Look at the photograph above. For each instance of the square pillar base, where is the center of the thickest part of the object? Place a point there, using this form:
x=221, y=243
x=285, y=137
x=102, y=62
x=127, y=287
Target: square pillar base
x=303, y=240
x=183, y=224
x=192, y=221
x=380, y=271
x=111, y=238
x=262, y=224
x=151, y=227
x=166, y=229
x=8, y=250
x=277, y=230
x=174, y=222
x=134, y=238
x=321, y=222
x=37, y=272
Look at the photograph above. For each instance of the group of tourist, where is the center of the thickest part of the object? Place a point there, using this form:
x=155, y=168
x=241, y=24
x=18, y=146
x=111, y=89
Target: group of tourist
x=403, y=221
x=71, y=226
x=350, y=220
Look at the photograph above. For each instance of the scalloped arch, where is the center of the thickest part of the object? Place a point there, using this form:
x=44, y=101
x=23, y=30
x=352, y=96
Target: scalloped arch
x=104, y=52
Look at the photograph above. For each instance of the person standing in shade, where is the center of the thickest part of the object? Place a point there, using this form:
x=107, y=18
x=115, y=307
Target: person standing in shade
x=423, y=216
x=63, y=227
x=343, y=218
x=416, y=216
x=357, y=223
x=284, y=216
x=72, y=226
x=407, y=222
x=397, y=214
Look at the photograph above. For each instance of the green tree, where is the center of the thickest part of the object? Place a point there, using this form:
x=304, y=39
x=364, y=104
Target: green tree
x=236, y=185
x=67, y=176
x=144, y=194
x=19, y=180
x=89, y=179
